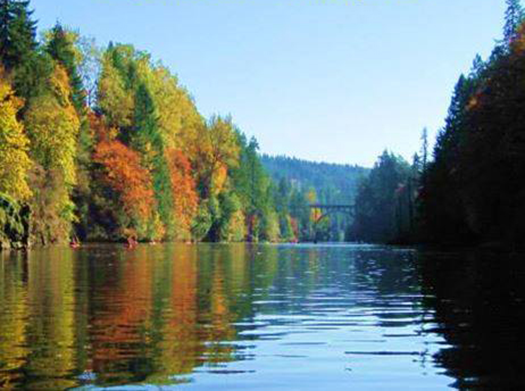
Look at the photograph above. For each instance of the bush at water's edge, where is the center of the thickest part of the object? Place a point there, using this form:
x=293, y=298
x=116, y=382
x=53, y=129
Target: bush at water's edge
x=14, y=223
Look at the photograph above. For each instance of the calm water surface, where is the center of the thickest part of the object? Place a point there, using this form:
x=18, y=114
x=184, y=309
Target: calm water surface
x=227, y=317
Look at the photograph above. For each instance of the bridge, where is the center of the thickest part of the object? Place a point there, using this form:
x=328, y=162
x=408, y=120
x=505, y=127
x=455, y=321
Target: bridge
x=327, y=209
x=334, y=207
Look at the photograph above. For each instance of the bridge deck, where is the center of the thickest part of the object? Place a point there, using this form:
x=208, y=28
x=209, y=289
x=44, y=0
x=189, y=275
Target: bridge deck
x=331, y=206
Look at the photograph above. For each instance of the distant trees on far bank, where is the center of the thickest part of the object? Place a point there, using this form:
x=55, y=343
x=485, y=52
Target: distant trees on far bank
x=106, y=144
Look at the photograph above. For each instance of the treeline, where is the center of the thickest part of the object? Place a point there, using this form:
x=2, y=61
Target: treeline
x=301, y=183
x=472, y=189
x=333, y=183
x=385, y=204
x=107, y=145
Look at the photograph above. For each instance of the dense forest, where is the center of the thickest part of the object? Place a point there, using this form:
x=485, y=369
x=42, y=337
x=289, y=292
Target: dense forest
x=318, y=183
x=385, y=204
x=333, y=183
x=105, y=144
x=471, y=189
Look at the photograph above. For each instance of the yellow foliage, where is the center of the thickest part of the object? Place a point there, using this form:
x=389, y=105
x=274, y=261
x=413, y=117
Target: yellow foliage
x=237, y=227
x=217, y=151
x=311, y=196
x=53, y=127
x=116, y=102
x=178, y=118
x=14, y=159
x=316, y=214
x=219, y=179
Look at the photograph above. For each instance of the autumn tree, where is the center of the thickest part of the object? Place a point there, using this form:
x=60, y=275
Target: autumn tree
x=185, y=197
x=125, y=175
x=14, y=145
x=53, y=125
x=61, y=46
x=217, y=152
x=114, y=99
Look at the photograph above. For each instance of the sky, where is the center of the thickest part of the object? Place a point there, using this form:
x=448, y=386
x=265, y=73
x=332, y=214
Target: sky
x=324, y=80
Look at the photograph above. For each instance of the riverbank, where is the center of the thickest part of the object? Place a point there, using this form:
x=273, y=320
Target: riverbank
x=14, y=224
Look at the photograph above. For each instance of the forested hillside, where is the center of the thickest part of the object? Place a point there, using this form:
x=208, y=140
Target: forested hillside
x=333, y=183
x=318, y=182
x=471, y=190
x=106, y=144
x=474, y=189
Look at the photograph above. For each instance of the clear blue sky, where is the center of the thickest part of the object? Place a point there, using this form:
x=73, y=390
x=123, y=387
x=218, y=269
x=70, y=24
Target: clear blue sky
x=332, y=80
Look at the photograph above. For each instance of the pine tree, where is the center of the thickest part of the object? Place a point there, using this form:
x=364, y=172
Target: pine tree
x=17, y=33
x=424, y=148
x=147, y=139
x=61, y=48
x=19, y=48
x=513, y=19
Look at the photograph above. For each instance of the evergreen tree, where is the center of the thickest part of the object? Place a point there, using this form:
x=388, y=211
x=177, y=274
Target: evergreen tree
x=61, y=47
x=513, y=19
x=146, y=138
x=424, y=149
x=378, y=216
x=19, y=48
x=17, y=33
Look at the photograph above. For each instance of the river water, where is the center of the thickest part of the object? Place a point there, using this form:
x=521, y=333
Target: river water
x=261, y=317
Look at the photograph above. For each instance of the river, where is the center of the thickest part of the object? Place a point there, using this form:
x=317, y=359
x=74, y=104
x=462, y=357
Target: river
x=261, y=317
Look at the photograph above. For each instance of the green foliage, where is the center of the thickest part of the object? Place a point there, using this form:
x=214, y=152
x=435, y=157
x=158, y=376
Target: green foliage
x=333, y=184
x=376, y=201
x=202, y=222
x=17, y=33
x=108, y=145
x=61, y=46
x=14, y=223
x=19, y=49
x=146, y=138
x=53, y=127
x=473, y=190
x=513, y=19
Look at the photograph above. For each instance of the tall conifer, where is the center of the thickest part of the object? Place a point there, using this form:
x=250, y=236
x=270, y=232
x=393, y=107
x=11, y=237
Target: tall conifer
x=513, y=18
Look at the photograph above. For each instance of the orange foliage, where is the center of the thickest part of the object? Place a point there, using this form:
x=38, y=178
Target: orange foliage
x=129, y=292
x=185, y=197
x=99, y=129
x=316, y=214
x=295, y=227
x=125, y=175
x=219, y=179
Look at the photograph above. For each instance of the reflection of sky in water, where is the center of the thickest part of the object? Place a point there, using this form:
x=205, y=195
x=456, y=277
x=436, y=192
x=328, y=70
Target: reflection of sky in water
x=240, y=317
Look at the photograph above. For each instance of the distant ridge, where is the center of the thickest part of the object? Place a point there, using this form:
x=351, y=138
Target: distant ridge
x=333, y=183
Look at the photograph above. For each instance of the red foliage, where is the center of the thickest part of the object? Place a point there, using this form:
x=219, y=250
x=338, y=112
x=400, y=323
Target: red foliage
x=125, y=175
x=185, y=197
x=295, y=227
x=99, y=128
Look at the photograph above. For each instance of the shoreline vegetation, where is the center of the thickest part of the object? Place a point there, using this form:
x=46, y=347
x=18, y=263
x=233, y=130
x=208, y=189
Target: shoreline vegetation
x=107, y=145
